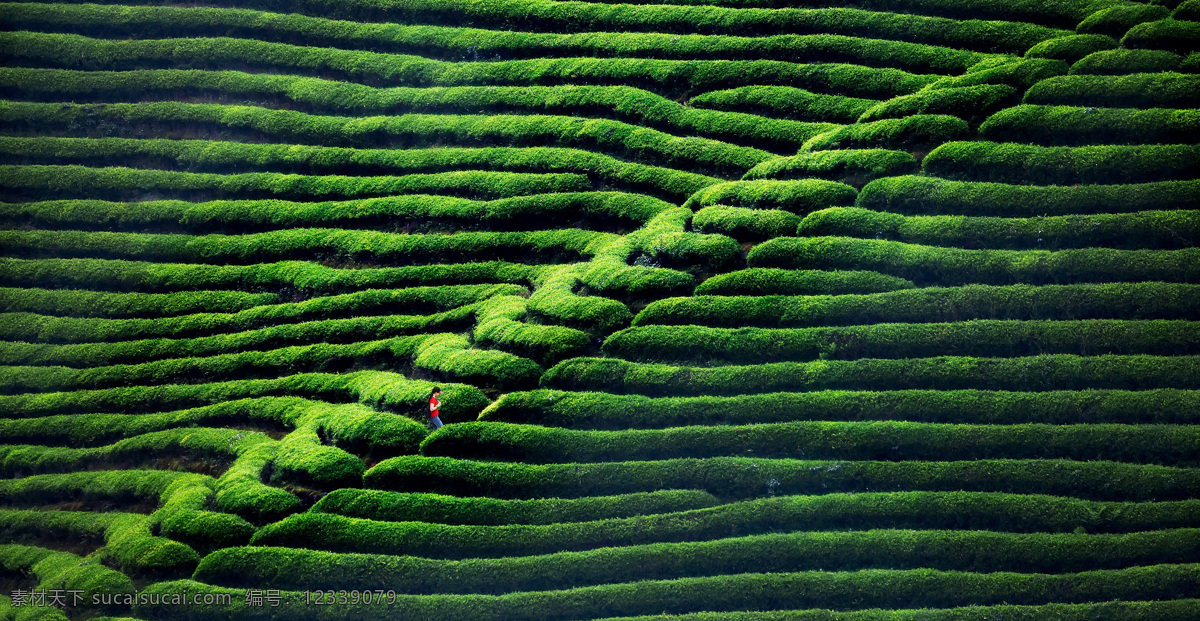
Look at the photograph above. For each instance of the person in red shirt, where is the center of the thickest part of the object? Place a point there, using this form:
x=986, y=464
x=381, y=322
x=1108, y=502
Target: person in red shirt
x=434, y=404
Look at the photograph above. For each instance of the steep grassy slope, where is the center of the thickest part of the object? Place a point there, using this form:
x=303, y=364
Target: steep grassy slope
x=742, y=309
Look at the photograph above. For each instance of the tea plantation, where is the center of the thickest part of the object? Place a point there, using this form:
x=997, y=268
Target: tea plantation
x=758, y=310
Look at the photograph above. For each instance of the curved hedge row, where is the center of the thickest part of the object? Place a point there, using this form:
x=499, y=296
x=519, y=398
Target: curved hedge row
x=1071, y=48
x=375, y=69
x=381, y=390
x=613, y=209
x=910, y=132
x=39, y=182
x=856, y=165
x=447, y=354
x=733, y=477
x=454, y=43
x=784, y=101
x=1064, y=14
x=745, y=224
x=875, y=440
x=1138, y=90
x=969, y=103
x=769, y=281
x=1035, y=373
x=953, y=266
x=436, y=508
x=798, y=197
x=978, y=338
x=1143, y=230
x=309, y=277
x=231, y=157
x=552, y=16
x=1036, y=165
x=1019, y=74
x=1074, y=125
x=935, y=550
x=625, y=103
x=1139, y=300
x=594, y=410
x=450, y=305
x=115, y=486
x=352, y=426
x=1116, y=20
x=102, y=353
x=80, y=303
x=1164, y=34
x=562, y=245
x=1119, y=611
x=630, y=142
x=71, y=430
x=1125, y=62
x=205, y=443
x=841, y=590
x=500, y=323
x=926, y=195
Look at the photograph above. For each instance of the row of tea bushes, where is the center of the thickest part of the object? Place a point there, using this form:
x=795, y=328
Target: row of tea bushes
x=1031, y=594
x=748, y=477
x=448, y=305
x=352, y=426
x=1031, y=164
x=933, y=265
x=1070, y=125
x=82, y=303
x=201, y=442
x=1143, y=230
x=378, y=389
x=553, y=16
x=799, y=196
x=598, y=410
x=616, y=209
x=1141, y=300
x=375, y=69
x=452, y=43
x=969, y=103
x=771, y=281
x=400, y=507
x=1032, y=373
x=911, y=132
x=929, y=195
x=446, y=354
x=1138, y=90
x=786, y=102
x=744, y=224
x=289, y=568
x=883, y=441
x=1124, y=62
x=624, y=140
x=309, y=277
x=42, y=182
x=565, y=244
x=225, y=156
x=862, y=165
x=982, y=337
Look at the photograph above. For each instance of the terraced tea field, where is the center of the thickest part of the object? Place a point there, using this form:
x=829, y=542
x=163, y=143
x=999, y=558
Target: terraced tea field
x=741, y=309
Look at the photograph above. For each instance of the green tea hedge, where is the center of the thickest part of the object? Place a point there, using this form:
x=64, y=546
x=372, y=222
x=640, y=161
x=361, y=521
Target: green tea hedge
x=1037, y=165
x=952, y=266
x=1140, y=230
x=1139, y=300
x=1034, y=373
x=927, y=195
x=596, y=410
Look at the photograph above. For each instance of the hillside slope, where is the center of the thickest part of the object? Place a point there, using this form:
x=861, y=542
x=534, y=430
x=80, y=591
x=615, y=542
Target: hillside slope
x=741, y=309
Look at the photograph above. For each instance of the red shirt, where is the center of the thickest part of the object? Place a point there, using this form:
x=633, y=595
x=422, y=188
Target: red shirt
x=434, y=404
